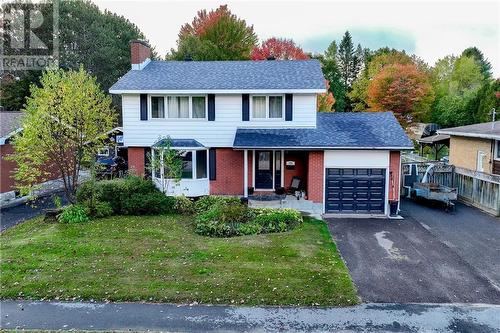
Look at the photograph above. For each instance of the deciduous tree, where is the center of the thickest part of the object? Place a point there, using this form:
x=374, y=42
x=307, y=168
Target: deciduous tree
x=65, y=123
x=278, y=48
x=457, y=83
x=325, y=102
x=215, y=35
x=402, y=89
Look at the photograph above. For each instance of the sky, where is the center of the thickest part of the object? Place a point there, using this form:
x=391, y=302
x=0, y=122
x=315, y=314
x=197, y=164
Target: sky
x=429, y=29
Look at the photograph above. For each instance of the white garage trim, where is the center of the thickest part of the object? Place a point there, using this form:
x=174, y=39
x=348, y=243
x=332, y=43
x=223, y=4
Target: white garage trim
x=357, y=159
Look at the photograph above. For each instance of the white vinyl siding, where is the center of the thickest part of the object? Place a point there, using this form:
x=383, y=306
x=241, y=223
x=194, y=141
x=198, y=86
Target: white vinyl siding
x=218, y=133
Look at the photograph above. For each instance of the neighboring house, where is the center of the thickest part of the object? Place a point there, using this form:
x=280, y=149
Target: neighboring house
x=475, y=147
x=113, y=145
x=9, y=125
x=253, y=125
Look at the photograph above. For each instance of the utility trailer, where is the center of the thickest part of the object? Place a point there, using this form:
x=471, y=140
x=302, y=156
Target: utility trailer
x=435, y=192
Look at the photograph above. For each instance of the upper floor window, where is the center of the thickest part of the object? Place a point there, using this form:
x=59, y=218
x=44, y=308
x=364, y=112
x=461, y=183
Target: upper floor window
x=157, y=107
x=178, y=107
x=497, y=150
x=267, y=107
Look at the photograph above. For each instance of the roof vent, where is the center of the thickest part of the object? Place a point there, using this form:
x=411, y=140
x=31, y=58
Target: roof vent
x=271, y=57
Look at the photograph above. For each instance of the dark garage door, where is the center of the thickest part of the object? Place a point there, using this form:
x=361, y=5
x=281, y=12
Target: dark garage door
x=360, y=191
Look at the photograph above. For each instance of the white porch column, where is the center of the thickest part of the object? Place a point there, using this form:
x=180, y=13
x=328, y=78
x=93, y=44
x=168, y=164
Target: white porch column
x=245, y=173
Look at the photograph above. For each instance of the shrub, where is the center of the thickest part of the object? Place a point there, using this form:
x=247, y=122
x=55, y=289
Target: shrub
x=233, y=219
x=128, y=196
x=277, y=220
x=184, y=205
x=249, y=229
x=221, y=220
x=101, y=209
x=208, y=202
x=147, y=204
x=74, y=214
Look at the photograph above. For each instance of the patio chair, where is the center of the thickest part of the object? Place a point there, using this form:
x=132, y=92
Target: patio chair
x=294, y=187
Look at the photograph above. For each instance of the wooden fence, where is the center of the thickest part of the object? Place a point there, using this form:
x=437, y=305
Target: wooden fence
x=476, y=188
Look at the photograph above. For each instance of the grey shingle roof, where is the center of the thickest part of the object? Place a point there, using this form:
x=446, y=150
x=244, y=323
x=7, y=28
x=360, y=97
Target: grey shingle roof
x=179, y=143
x=334, y=130
x=224, y=75
x=10, y=121
x=489, y=130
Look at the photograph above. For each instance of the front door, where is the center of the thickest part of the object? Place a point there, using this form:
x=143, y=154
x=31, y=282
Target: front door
x=263, y=169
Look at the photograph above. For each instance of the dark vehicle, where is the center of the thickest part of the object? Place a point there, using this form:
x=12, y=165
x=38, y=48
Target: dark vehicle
x=108, y=167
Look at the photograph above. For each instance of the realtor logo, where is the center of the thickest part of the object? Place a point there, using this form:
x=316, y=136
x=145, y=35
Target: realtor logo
x=29, y=35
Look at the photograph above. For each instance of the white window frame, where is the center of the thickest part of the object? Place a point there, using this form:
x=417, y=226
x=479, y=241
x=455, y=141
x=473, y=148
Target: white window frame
x=103, y=149
x=165, y=106
x=267, y=118
x=496, y=156
x=159, y=151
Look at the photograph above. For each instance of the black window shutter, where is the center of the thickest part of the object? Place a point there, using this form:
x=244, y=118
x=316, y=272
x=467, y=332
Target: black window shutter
x=212, y=167
x=211, y=107
x=147, y=162
x=288, y=107
x=245, y=107
x=144, y=107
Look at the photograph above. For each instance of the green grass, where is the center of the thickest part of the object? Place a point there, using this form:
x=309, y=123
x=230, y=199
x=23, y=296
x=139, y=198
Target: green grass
x=161, y=259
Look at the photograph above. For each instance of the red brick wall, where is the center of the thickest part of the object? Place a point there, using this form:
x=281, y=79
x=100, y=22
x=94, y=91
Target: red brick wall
x=136, y=160
x=299, y=169
x=229, y=177
x=315, y=170
x=6, y=169
x=394, y=174
x=139, y=51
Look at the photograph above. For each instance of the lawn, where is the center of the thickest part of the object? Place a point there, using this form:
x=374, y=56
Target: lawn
x=161, y=259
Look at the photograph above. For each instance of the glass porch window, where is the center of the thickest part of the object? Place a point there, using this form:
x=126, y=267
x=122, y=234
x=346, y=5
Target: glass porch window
x=201, y=164
x=187, y=165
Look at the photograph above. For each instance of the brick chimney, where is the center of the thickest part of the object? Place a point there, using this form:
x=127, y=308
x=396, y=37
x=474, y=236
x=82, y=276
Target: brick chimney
x=140, y=54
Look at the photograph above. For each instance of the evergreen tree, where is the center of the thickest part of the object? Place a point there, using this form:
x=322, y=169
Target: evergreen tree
x=348, y=60
x=483, y=63
x=332, y=74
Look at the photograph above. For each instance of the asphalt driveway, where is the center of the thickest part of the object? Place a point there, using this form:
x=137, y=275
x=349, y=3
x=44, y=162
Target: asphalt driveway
x=430, y=256
x=12, y=216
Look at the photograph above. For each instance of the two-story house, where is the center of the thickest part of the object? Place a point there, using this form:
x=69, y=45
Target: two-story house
x=253, y=125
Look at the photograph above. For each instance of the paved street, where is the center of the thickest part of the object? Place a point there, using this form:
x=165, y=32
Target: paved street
x=429, y=257
x=168, y=317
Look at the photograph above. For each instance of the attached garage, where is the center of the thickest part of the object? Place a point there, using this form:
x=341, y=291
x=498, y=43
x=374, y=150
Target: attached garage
x=356, y=182
x=355, y=190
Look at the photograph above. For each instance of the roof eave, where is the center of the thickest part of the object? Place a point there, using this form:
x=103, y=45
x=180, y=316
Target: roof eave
x=217, y=91
x=472, y=135
x=323, y=147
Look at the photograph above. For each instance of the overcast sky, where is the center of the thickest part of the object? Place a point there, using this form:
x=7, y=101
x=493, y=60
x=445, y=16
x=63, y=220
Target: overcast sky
x=429, y=29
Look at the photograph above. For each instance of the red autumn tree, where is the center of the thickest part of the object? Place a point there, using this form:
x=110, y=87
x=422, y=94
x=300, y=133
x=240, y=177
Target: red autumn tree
x=402, y=89
x=325, y=101
x=278, y=48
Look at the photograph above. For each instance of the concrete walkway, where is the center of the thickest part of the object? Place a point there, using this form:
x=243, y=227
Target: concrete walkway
x=185, y=318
